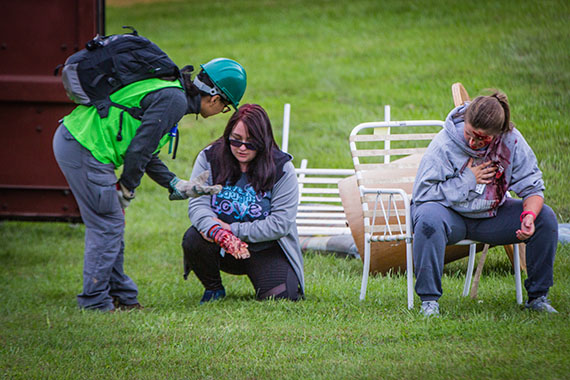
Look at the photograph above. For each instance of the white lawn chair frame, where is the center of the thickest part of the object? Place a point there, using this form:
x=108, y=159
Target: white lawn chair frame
x=392, y=204
x=320, y=211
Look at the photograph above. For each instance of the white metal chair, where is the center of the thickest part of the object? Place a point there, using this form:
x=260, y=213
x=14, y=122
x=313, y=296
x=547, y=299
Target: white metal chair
x=385, y=187
x=320, y=211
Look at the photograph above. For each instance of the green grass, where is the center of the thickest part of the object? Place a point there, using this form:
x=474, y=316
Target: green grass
x=331, y=334
x=338, y=64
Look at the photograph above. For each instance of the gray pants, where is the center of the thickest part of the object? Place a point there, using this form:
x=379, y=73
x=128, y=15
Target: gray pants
x=436, y=226
x=93, y=186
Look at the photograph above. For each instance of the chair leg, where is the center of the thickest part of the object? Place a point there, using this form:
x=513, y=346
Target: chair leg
x=366, y=268
x=410, y=274
x=470, y=265
x=517, y=267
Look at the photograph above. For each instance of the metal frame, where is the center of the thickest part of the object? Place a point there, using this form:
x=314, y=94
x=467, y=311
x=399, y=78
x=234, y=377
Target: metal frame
x=320, y=211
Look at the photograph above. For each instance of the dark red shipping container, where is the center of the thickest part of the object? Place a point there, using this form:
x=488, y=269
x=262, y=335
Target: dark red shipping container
x=35, y=37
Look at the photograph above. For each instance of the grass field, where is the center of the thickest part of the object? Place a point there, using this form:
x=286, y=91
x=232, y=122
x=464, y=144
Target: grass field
x=337, y=64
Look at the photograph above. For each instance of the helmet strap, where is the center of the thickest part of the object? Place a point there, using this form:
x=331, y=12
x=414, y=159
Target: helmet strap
x=207, y=89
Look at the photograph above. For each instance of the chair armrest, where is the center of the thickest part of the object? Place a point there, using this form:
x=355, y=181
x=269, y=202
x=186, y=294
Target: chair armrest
x=390, y=216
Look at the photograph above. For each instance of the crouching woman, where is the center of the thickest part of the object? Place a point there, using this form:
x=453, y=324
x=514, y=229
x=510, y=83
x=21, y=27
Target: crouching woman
x=249, y=227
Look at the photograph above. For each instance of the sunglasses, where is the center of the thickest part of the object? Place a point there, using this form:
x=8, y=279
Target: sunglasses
x=238, y=144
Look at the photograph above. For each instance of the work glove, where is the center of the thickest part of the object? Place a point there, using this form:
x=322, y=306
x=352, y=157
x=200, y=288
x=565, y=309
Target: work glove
x=193, y=188
x=125, y=196
x=229, y=242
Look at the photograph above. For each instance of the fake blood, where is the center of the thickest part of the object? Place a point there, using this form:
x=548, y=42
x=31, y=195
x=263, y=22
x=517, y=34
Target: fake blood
x=500, y=155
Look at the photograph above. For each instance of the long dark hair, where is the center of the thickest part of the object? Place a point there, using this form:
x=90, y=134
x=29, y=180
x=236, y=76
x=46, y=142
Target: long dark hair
x=261, y=172
x=490, y=113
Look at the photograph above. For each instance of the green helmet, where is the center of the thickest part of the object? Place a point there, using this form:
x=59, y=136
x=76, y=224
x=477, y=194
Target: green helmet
x=229, y=77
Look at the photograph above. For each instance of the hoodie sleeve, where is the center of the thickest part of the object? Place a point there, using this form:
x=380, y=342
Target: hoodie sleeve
x=439, y=180
x=158, y=171
x=162, y=109
x=199, y=209
x=283, y=212
x=526, y=177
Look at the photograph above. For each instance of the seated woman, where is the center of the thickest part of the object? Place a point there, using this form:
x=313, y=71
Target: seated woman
x=460, y=193
x=249, y=227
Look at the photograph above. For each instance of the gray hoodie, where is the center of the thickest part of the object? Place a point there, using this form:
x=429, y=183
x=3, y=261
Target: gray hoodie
x=278, y=226
x=443, y=175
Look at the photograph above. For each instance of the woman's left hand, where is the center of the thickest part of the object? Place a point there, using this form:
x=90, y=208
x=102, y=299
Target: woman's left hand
x=527, y=228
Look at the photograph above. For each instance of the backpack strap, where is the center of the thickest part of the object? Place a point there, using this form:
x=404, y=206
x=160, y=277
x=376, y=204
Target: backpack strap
x=104, y=105
x=103, y=111
x=135, y=112
x=120, y=132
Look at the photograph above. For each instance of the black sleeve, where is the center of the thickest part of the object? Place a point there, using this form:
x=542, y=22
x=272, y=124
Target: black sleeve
x=158, y=171
x=162, y=109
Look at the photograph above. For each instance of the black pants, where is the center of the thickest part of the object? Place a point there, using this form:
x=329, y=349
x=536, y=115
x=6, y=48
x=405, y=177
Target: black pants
x=268, y=270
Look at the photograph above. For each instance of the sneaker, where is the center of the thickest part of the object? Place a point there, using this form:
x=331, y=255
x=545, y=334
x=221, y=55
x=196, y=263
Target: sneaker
x=430, y=309
x=212, y=295
x=540, y=304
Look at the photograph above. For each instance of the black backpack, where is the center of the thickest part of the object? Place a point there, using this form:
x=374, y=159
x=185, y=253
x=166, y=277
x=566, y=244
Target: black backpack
x=109, y=63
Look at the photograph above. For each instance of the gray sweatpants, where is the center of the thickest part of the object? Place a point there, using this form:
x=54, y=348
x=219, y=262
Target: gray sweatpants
x=436, y=226
x=93, y=186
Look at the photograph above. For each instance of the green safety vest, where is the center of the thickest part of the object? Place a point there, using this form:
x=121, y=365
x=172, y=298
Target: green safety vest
x=99, y=135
